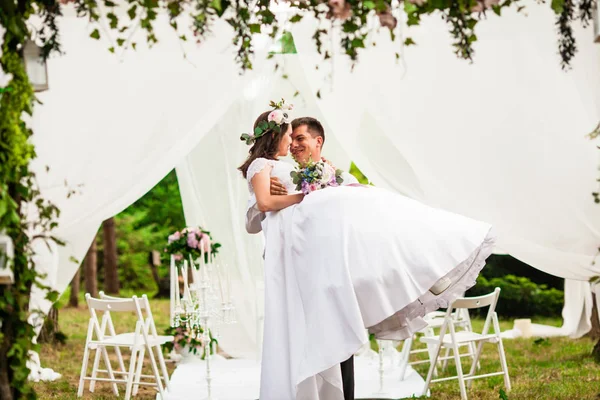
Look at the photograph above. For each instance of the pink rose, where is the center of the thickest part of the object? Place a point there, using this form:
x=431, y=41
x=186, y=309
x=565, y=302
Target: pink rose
x=192, y=241
x=276, y=116
x=177, y=257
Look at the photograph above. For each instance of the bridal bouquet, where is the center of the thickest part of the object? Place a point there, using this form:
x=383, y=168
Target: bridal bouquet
x=191, y=241
x=315, y=176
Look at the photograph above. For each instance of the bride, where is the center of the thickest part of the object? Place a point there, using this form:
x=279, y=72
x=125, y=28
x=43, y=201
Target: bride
x=343, y=259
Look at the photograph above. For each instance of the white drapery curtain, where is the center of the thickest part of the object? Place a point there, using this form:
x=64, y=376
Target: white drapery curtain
x=111, y=127
x=500, y=140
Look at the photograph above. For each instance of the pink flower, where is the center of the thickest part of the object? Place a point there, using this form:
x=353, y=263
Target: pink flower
x=277, y=116
x=204, y=243
x=174, y=237
x=192, y=241
x=177, y=257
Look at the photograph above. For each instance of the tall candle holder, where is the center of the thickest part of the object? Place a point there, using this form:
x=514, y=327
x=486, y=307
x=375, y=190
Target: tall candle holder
x=203, y=308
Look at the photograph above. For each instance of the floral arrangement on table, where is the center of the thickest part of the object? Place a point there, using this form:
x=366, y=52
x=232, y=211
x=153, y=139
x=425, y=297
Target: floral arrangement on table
x=186, y=340
x=191, y=241
x=315, y=176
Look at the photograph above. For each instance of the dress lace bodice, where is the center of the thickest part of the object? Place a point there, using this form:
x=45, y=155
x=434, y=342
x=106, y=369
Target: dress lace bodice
x=280, y=170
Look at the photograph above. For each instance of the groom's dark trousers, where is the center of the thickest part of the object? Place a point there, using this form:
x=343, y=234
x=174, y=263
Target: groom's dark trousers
x=348, y=378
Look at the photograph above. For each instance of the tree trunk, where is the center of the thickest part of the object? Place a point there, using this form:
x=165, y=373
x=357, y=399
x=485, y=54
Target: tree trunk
x=50, y=328
x=163, y=284
x=90, y=265
x=75, y=283
x=111, y=277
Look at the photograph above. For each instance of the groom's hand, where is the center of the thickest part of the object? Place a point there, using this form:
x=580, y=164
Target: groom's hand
x=277, y=189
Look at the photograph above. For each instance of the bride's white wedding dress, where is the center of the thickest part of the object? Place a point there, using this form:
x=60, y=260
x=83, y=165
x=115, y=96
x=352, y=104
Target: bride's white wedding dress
x=346, y=259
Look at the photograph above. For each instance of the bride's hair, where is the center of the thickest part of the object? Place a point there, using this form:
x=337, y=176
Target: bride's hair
x=266, y=146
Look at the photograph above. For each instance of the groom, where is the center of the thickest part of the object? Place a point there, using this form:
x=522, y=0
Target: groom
x=308, y=137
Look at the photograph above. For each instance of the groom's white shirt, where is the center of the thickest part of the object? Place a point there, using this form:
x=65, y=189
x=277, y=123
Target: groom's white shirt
x=254, y=216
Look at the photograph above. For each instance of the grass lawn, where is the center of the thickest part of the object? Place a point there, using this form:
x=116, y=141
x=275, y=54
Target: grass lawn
x=558, y=368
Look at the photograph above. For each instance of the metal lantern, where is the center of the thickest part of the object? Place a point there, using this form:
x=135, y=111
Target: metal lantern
x=6, y=254
x=35, y=65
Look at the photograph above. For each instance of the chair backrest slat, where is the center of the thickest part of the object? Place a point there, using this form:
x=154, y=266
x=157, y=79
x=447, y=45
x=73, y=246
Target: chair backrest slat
x=121, y=305
x=477, y=302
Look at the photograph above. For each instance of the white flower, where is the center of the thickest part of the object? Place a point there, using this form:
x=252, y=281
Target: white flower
x=287, y=107
x=277, y=116
x=328, y=173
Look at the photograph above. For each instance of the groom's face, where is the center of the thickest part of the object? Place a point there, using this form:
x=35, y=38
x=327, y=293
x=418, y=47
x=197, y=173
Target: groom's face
x=305, y=145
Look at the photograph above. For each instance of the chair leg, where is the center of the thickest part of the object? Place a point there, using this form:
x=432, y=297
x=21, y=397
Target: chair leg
x=446, y=358
x=432, y=366
x=159, y=384
x=431, y=352
x=95, y=367
x=120, y=359
x=163, y=367
x=504, y=365
x=84, y=365
x=138, y=372
x=472, y=350
x=131, y=374
x=405, y=357
x=109, y=369
x=459, y=372
x=475, y=361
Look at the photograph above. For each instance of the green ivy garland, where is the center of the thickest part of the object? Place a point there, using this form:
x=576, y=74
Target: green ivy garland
x=17, y=188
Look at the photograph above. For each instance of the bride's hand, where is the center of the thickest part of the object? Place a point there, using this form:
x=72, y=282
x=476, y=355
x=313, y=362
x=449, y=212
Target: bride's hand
x=277, y=189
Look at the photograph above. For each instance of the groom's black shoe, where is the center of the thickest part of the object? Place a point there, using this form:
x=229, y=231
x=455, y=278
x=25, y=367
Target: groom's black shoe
x=348, y=378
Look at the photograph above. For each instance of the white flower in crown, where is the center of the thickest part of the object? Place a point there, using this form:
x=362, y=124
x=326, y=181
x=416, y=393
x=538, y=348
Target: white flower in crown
x=287, y=107
x=277, y=116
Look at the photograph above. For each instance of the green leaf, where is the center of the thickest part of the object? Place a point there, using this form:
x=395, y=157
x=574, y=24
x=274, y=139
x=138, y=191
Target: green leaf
x=109, y=3
x=111, y=49
x=296, y=18
x=264, y=125
x=120, y=42
x=369, y=5
x=558, y=6
x=95, y=34
x=132, y=11
x=3, y=207
x=258, y=131
x=408, y=42
x=503, y=395
x=134, y=45
x=216, y=5
x=254, y=28
x=52, y=296
x=114, y=21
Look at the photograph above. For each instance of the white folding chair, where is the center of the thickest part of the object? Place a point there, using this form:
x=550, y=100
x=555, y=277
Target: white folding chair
x=144, y=339
x=162, y=339
x=454, y=339
x=435, y=320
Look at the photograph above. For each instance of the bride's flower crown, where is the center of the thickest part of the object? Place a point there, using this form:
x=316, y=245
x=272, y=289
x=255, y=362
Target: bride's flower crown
x=276, y=118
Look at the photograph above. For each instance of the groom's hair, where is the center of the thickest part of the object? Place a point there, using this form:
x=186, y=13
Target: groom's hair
x=312, y=125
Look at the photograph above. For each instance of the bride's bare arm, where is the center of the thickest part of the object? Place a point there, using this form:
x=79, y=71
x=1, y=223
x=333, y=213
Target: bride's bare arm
x=265, y=201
